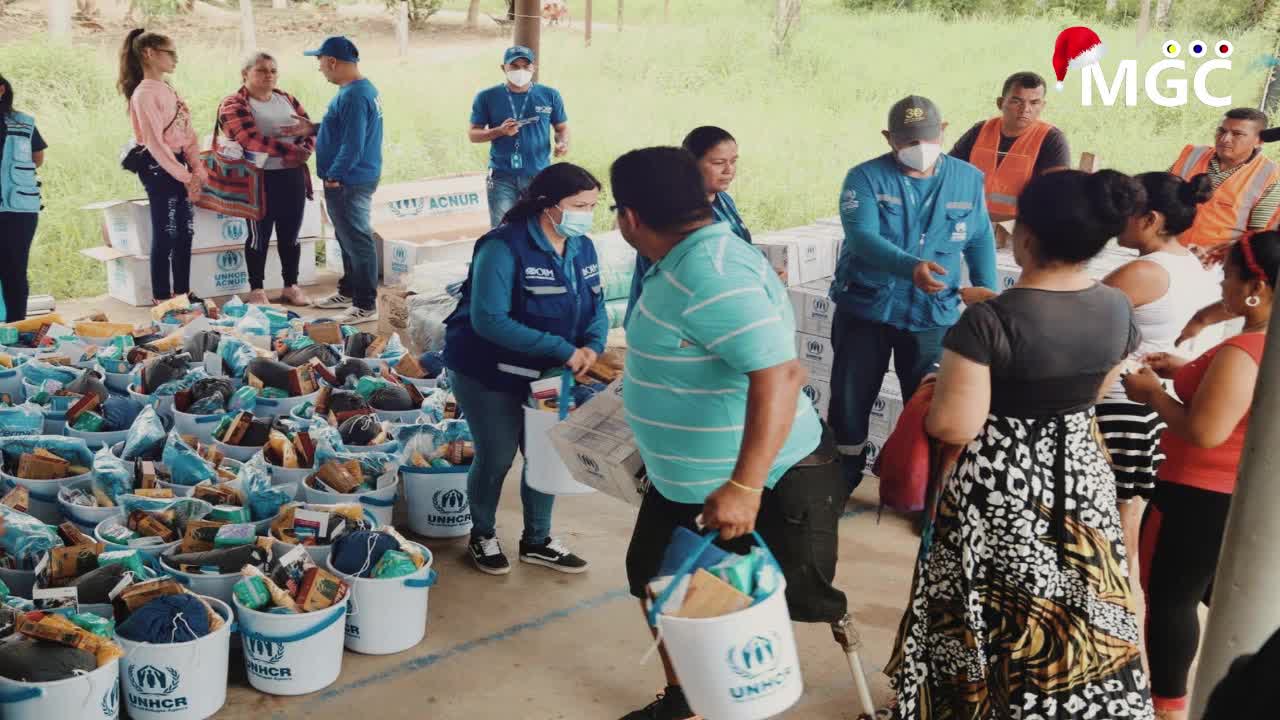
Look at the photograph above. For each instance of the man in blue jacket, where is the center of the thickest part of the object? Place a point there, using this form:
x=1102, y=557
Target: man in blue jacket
x=349, y=161
x=911, y=217
x=517, y=119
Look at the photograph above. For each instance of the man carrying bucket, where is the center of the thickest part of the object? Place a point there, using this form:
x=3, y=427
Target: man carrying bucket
x=712, y=393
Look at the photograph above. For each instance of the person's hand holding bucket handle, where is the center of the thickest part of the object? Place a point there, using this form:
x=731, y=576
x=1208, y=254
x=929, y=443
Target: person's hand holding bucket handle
x=732, y=508
x=581, y=360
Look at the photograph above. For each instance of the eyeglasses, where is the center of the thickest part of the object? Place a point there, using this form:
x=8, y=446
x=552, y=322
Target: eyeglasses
x=172, y=53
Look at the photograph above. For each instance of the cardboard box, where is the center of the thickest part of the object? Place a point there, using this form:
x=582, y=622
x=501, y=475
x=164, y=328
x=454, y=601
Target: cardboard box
x=819, y=393
x=887, y=408
x=461, y=199
x=597, y=446
x=214, y=273
x=393, y=315
x=800, y=258
x=404, y=248
x=127, y=226
x=817, y=354
x=333, y=254
x=814, y=310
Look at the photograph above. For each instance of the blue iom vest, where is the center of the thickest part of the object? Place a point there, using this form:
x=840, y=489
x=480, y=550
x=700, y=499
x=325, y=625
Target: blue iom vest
x=19, y=190
x=542, y=298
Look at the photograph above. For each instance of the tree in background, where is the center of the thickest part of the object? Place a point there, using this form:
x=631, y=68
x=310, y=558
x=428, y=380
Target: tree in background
x=786, y=17
x=473, y=14
x=1162, y=13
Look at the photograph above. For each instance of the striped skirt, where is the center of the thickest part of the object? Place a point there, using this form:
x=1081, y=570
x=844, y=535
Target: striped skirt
x=1132, y=433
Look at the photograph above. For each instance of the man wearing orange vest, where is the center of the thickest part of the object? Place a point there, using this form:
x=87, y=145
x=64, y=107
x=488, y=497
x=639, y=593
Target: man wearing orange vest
x=1014, y=147
x=1246, y=194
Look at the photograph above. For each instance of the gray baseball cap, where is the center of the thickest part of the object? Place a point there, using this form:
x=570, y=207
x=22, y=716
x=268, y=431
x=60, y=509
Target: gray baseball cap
x=915, y=118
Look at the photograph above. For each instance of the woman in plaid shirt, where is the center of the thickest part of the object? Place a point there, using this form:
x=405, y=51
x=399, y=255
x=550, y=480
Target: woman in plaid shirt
x=253, y=117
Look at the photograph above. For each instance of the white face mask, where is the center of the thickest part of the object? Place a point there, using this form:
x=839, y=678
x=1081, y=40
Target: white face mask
x=520, y=78
x=920, y=157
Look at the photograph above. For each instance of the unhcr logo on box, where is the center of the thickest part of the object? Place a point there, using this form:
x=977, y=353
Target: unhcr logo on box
x=233, y=229
x=400, y=259
x=230, y=274
x=589, y=464
x=756, y=661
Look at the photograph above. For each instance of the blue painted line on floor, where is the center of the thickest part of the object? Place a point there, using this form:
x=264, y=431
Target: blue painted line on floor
x=418, y=663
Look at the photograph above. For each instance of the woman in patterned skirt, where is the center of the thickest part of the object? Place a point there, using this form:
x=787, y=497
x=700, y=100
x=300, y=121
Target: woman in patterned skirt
x=1020, y=605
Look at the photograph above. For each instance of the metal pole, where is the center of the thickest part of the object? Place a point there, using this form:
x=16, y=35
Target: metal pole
x=248, y=39
x=528, y=27
x=60, y=21
x=402, y=27
x=1245, y=612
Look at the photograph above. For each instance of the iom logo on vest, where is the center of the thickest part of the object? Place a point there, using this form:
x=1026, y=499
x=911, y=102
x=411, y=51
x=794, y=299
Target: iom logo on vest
x=1080, y=48
x=452, y=506
x=261, y=654
x=756, y=661
x=150, y=689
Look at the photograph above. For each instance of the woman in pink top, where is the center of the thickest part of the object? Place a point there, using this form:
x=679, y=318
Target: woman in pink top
x=169, y=168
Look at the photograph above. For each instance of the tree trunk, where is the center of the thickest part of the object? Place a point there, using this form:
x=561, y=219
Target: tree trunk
x=1162, y=13
x=473, y=14
x=587, y=21
x=785, y=18
x=666, y=11
x=1111, y=6
x=619, y=15
x=1144, y=19
x=528, y=27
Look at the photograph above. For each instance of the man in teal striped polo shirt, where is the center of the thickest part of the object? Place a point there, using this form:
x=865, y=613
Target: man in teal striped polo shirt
x=712, y=394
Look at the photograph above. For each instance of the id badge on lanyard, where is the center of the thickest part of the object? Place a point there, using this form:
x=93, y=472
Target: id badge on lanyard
x=517, y=162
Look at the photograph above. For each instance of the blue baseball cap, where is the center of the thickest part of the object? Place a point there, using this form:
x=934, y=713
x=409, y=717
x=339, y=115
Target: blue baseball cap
x=516, y=52
x=337, y=47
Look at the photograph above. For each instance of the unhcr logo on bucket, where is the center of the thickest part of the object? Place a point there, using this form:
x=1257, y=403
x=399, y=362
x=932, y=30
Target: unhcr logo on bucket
x=261, y=654
x=111, y=701
x=756, y=661
x=452, y=506
x=150, y=688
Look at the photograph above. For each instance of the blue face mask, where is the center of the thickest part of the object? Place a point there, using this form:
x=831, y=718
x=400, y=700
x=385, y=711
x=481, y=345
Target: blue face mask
x=574, y=223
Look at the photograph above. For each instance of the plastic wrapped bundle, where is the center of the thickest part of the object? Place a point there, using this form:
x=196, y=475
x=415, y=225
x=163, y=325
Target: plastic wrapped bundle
x=357, y=345
x=163, y=370
x=186, y=467
x=120, y=412
x=205, y=341
x=236, y=355
x=25, y=538
x=352, y=369
x=146, y=437
x=302, y=356
x=391, y=397
x=360, y=430
x=112, y=478
x=272, y=373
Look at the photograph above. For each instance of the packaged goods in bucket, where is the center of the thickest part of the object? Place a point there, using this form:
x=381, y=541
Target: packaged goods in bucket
x=311, y=524
x=146, y=437
x=24, y=419
x=243, y=430
x=150, y=522
x=427, y=366
x=162, y=611
x=214, y=396
x=260, y=495
x=291, y=583
x=382, y=553
x=46, y=457
x=190, y=466
x=33, y=335
x=346, y=473
x=296, y=349
x=48, y=647
x=275, y=380
x=386, y=393
x=24, y=539
x=86, y=574
x=366, y=346
x=446, y=444
x=232, y=547
x=364, y=431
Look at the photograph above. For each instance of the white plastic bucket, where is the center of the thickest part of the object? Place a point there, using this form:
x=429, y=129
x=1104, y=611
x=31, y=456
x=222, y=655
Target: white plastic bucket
x=437, y=501
x=55, y=421
x=320, y=553
x=11, y=384
x=19, y=582
x=386, y=616
x=292, y=654
x=275, y=407
x=386, y=447
x=92, y=696
x=284, y=475
x=401, y=417
x=543, y=468
x=239, y=453
x=186, y=681
x=96, y=440
x=421, y=384
x=85, y=518
x=162, y=403
x=24, y=351
x=740, y=666
x=214, y=586
x=44, y=495
x=377, y=503
x=200, y=426
x=151, y=552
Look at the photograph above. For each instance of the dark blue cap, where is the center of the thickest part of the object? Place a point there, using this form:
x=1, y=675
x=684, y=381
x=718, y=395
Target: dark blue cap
x=337, y=47
x=516, y=52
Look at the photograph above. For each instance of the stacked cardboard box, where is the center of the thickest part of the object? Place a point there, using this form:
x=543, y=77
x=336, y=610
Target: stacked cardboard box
x=803, y=254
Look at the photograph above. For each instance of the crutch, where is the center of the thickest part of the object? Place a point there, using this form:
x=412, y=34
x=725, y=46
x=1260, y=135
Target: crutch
x=847, y=636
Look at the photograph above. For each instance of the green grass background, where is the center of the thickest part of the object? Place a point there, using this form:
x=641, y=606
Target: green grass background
x=802, y=120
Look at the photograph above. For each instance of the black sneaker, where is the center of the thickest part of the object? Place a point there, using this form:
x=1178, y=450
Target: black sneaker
x=486, y=553
x=670, y=705
x=552, y=554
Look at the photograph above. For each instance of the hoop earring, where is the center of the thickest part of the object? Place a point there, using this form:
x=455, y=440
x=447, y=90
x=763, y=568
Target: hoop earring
x=1252, y=301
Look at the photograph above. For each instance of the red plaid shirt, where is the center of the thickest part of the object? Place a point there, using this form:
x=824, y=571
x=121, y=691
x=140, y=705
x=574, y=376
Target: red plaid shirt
x=235, y=117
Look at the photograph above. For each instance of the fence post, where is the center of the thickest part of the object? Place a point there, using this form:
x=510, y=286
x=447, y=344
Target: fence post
x=248, y=38
x=60, y=21
x=402, y=28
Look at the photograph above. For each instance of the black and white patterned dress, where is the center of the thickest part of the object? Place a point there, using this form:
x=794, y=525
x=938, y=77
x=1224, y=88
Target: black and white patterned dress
x=1021, y=606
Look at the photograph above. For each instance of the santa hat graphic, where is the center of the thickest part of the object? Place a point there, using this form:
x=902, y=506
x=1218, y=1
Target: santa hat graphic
x=1076, y=47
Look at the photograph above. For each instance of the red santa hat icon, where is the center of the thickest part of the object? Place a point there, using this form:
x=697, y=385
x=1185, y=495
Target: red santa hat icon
x=1076, y=47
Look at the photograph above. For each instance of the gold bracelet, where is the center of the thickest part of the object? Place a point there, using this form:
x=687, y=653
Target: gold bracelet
x=757, y=491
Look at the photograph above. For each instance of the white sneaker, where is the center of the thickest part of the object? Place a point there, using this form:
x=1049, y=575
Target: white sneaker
x=356, y=316
x=336, y=301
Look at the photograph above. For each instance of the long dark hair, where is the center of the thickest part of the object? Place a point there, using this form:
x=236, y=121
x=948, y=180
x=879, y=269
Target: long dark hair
x=6, y=100
x=548, y=188
x=131, y=71
x=700, y=140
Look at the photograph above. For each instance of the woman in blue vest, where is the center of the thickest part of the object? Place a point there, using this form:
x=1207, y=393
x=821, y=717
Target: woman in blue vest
x=21, y=152
x=532, y=303
x=717, y=154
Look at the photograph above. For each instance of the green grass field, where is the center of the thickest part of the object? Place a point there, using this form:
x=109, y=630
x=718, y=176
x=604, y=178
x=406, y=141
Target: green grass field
x=802, y=120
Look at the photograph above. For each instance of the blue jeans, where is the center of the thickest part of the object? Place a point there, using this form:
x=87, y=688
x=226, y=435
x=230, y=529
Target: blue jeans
x=348, y=208
x=862, y=359
x=497, y=427
x=504, y=190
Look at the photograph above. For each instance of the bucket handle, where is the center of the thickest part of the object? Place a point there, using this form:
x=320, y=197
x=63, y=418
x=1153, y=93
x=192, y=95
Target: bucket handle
x=687, y=566
x=338, y=614
x=566, y=393
x=367, y=500
x=425, y=582
x=22, y=695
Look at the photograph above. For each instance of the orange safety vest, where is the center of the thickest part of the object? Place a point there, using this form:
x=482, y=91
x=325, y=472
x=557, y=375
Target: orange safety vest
x=1226, y=216
x=1006, y=178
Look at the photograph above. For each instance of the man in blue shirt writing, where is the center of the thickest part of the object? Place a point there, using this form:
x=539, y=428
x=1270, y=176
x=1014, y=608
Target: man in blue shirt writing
x=911, y=217
x=349, y=161
x=517, y=118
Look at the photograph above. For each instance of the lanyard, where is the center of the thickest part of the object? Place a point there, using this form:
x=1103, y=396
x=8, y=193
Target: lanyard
x=722, y=213
x=518, y=115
